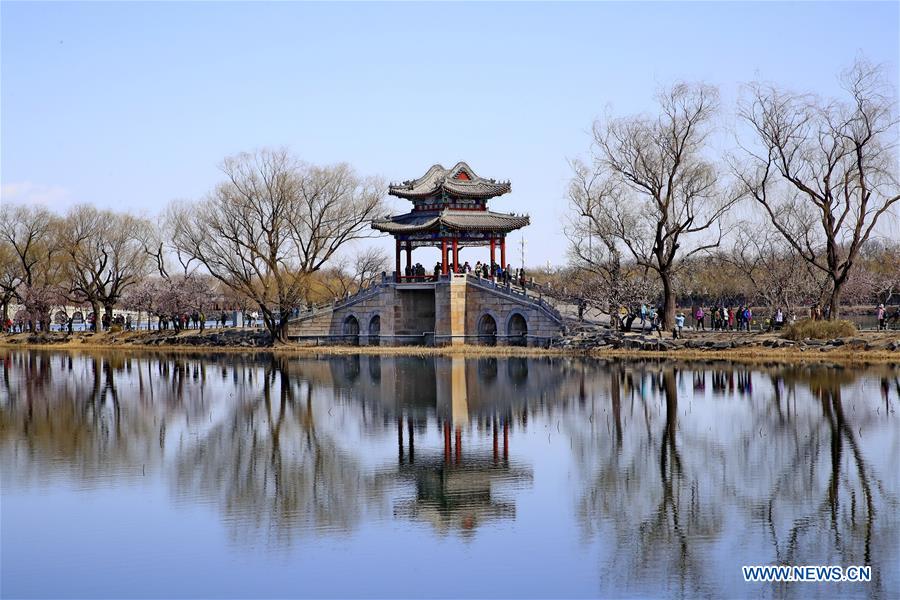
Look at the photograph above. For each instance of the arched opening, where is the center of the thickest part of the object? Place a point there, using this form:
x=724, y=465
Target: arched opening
x=345, y=369
x=517, y=369
x=375, y=368
x=350, y=331
x=487, y=369
x=61, y=318
x=77, y=317
x=487, y=331
x=517, y=330
x=374, y=330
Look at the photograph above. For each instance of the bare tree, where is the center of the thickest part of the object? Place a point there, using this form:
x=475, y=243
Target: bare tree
x=368, y=265
x=654, y=191
x=271, y=223
x=9, y=280
x=29, y=237
x=772, y=271
x=593, y=246
x=602, y=277
x=824, y=171
x=353, y=273
x=104, y=255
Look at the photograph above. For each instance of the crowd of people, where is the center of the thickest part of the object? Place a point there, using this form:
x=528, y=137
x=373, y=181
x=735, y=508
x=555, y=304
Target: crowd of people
x=717, y=318
x=725, y=318
x=496, y=272
x=125, y=322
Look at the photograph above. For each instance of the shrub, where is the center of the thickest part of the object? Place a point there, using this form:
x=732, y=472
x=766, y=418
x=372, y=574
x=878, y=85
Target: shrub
x=821, y=330
x=115, y=328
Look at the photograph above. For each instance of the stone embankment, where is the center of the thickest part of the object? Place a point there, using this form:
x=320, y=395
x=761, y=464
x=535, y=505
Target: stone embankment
x=594, y=340
x=608, y=339
x=214, y=338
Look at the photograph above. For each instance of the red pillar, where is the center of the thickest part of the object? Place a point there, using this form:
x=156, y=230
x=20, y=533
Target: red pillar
x=412, y=440
x=397, y=266
x=503, y=252
x=447, y=442
x=400, y=438
x=496, y=449
x=408, y=255
x=505, y=440
x=458, y=445
x=444, y=256
x=455, y=256
x=493, y=245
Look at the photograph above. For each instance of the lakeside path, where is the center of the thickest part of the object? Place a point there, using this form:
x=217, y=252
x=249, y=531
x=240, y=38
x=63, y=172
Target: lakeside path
x=863, y=348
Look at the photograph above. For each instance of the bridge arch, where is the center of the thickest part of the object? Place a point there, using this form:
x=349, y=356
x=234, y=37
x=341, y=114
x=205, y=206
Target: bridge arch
x=487, y=330
x=375, y=330
x=350, y=330
x=517, y=329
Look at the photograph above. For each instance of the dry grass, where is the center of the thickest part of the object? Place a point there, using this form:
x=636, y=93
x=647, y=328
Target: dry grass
x=820, y=330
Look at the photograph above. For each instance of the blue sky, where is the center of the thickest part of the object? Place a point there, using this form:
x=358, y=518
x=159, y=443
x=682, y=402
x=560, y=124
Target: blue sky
x=131, y=105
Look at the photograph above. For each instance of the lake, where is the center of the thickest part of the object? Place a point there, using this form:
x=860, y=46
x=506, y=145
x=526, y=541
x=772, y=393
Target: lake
x=258, y=475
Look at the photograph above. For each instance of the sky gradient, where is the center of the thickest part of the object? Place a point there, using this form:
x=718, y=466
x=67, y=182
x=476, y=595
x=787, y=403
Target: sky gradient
x=132, y=105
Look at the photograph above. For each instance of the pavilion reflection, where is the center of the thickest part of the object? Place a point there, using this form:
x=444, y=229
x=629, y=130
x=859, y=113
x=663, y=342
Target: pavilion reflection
x=455, y=486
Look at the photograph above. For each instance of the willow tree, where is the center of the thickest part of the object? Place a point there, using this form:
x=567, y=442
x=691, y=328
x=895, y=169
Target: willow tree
x=654, y=191
x=104, y=255
x=29, y=260
x=824, y=171
x=271, y=223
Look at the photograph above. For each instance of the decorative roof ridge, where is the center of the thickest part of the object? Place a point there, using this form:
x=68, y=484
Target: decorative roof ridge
x=461, y=166
x=437, y=178
x=411, y=183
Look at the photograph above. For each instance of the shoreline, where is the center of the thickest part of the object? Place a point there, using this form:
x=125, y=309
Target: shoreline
x=745, y=354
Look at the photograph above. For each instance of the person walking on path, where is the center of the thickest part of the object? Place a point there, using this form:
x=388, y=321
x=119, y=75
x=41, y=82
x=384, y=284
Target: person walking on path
x=679, y=326
x=881, y=314
x=698, y=315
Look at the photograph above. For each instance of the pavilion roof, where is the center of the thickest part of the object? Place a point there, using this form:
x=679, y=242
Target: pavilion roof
x=460, y=181
x=459, y=220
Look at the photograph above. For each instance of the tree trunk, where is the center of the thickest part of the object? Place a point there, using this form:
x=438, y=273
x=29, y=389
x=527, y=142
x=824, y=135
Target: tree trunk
x=98, y=324
x=834, y=301
x=668, y=300
x=108, y=311
x=271, y=323
x=283, y=329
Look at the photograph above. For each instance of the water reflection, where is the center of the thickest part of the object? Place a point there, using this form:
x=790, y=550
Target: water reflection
x=659, y=478
x=781, y=467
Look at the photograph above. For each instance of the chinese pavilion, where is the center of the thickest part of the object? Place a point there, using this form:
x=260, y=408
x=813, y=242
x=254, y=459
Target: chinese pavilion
x=449, y=211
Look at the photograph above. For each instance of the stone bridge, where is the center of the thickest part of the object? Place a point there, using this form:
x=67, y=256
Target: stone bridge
x=456, y=309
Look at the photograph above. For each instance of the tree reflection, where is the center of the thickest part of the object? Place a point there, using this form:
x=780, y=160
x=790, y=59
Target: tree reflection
x=653, y=499
x=273, y=470
x=65, y=415
x=672, y=481
x=841, y=487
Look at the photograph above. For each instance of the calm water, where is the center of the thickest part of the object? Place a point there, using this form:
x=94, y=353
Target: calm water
x=250, y=476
